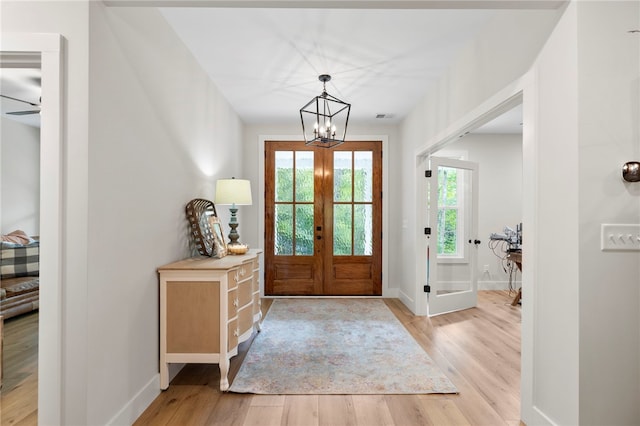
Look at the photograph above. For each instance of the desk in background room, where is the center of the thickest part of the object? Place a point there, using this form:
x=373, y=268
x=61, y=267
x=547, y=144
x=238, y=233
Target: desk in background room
x=516, y=257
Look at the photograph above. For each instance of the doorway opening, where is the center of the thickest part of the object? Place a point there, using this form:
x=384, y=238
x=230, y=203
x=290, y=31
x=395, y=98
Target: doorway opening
x=496, y=148
x=49, y=48
x=20, y=178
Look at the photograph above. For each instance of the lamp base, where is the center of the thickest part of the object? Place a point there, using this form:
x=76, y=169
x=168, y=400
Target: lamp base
x=233, y=224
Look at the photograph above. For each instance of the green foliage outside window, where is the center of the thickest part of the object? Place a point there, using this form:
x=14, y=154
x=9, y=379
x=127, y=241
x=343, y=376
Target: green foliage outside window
x=303, y=229
x=448, y=211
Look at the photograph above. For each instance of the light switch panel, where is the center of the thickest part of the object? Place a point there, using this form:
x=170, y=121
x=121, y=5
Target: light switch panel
x=620, y=237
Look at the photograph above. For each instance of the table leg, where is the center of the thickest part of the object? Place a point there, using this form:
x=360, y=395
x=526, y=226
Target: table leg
x=516, y=299
x=224, y=372
x=164, y=375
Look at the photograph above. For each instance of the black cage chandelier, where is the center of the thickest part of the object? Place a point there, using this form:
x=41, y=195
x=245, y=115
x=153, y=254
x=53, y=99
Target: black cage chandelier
x=325, y=118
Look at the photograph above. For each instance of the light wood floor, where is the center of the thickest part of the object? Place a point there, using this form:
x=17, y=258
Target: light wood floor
x=19, y=392
x=479, y=349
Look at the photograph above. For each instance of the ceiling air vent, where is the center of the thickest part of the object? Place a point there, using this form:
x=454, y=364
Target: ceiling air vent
x=384, y=115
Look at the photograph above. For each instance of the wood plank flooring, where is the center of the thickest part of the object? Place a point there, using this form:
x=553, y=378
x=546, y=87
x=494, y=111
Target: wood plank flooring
x=19, y=392
x=478, y=349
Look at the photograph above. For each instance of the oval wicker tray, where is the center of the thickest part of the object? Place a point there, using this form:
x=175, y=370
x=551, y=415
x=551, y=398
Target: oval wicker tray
x=198, y=212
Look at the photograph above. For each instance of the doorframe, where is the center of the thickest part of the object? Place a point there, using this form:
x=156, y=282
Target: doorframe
x=523, y=90
x=386, y=291
x=50, y=337
x=500, y=103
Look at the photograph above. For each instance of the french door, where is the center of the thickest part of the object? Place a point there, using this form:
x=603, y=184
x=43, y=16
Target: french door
x=323, y=219
x=452, y=240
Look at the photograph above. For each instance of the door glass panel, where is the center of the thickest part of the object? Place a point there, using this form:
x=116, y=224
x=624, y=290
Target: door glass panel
x=304, y=176
x=448, y=186
x=363, y=175
x=452, y=184
x=283, y=229
x=453, y=226
x=304, y=229
x=342, y=176
x=447, y=231
x=363, y=232
x=342, y=229
x=284, y=176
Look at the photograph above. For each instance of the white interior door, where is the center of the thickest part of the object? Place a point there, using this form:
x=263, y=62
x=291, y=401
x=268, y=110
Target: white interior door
x=452, y=240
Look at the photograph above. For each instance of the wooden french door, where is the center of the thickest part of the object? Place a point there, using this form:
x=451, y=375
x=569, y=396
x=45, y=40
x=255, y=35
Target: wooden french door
x=323, y=219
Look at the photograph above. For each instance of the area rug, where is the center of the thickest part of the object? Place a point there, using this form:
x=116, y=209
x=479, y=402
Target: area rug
x=336, y=346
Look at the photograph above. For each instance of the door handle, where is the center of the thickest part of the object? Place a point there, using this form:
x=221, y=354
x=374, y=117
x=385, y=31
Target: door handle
x=476, y=242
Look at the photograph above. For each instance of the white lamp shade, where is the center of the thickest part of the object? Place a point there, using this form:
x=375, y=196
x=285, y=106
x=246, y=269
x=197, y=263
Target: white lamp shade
x=233, y=191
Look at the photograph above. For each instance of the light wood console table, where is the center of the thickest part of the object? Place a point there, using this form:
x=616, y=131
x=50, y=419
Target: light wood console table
x=207, y=307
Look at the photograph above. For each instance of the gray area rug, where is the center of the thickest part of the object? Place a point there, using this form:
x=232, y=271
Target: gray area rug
x=336, y=346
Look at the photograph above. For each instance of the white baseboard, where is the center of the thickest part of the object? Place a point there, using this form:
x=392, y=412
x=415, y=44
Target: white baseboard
x=136, y=406
x=539, y=418
x=482, y=285
x=407, y=301
x=143, y=399
x=497, y=285
x=391, y=293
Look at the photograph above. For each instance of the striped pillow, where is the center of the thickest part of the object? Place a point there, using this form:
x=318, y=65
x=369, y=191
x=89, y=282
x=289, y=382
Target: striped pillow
x=18, y=260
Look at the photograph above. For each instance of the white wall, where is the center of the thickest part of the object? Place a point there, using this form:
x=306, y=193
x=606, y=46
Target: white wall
x=581, y=328
x=499, y=157
x=161, y=134
x=154, y=134
x=550, y=385
x=20, y=177
x=584, y=326
x=70, y=19
x=501, y=54
x=609, y=136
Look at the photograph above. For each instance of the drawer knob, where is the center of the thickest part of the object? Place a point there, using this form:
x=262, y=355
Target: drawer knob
x=236, y=332
x=236, y=302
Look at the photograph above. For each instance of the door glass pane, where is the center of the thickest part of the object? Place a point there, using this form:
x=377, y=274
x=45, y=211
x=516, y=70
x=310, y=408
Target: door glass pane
x=283, y=229
x=363, y=175
x=342, y=175
x=304, y=176
x=363, y=232
x=448, y=189
x=447, y=231
x=284, y=176
x=342, y=229
x=304, y=229
x=455, y=270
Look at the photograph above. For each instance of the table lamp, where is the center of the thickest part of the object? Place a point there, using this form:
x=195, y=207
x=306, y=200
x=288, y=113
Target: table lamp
x=233, y=192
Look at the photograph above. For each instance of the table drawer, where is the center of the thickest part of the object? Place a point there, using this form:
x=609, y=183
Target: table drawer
x=232, y=278
x=253, y=263
x=245, y=271
x=233, y=333
x=245, y=319
x=232, y=302
x=256, y=303
x=245, y=293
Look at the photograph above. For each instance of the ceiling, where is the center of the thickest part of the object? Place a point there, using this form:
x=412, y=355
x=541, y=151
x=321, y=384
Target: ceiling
x=266, y=61
x=22, y=84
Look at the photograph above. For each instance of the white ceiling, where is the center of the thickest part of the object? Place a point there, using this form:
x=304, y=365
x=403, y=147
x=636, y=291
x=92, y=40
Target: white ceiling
x=266, y=62
x=22, y=84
